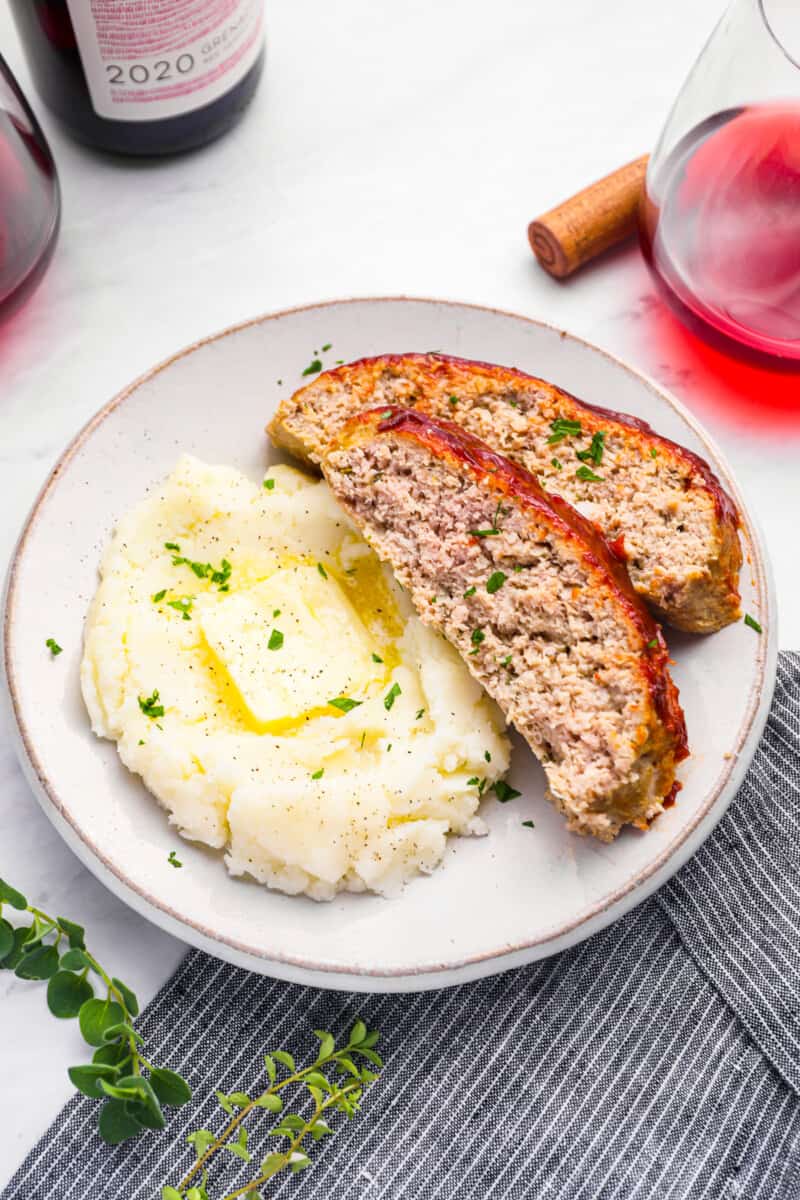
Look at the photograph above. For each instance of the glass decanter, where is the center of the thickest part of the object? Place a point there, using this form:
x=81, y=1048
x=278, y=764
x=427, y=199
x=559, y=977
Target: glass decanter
x=720, y=215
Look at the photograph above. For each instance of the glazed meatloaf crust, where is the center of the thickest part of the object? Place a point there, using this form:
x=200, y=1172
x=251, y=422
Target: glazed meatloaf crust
x=535, y=601
x=660, y=503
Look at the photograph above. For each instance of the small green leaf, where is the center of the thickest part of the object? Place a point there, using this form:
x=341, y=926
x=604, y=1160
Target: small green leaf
x=157, y=597
x=53, y=647
x=96, y=1016
x=358, y=1033
x=371, y=1039
x=269, y=484
x=370, y=1055
x=392, y=694
x=123, y=1029
x=313, y=367
x=6, y=938
x=269, y=1063
x=270, y=1102
x=322, y=570
x=326, y=1047
x=239, y=1147
x=752, y=623
x=504, y=791
x=75, y=933
x=39, y=963
x=112, y=1055
x=292, y=1121
x=170, y=1193
x=495, y=582
x=344, y=703
x=587, y=475
x=347, y=1067
x=10, y=895
x=272, y=1164
x=74, y=960
x=87, y=1078
x=128, y=997
x=116, y=1124
x=318, y=774
x=201, y=1139
x=240, y=1099
x=299, y=1162
x=284, y=1058
x=224, y=1103
x=67, y=993
x=170, y=1087
x=318, y=1080
x=275, y=640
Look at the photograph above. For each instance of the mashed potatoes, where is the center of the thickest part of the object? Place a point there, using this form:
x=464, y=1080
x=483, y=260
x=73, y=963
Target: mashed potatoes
x=268, y=680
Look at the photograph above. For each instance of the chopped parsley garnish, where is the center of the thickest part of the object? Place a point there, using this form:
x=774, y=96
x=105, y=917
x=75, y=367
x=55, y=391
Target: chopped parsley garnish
x=595, y=452
x=528, y=825
x=504, y=792
x=517, y=568
x=327, y=347
x=469, y=592
x=482, y=786
x=276, y=612
x=182, y=605
x=344, y=703
x=269, y=484
x=474, y=782
x=506, y=662
x=275, y=640
x=150, y=706
x=563, y=428
x=173, y=859
x=322, y=570
x=313, y=368
x=653, y=452
x=172, y=546
x=487, y=756
x=420, y=714
x=219, y=575
x=514, y=403
x=318, y=774
x=753, y=623
x=483, y=532
x=157, y=597
x=376, y=657
x=555, y=463
x=53, y=647
x=495, y=582
x=587, y=475
x=392, y=694
x=652, y=644
x=478, y=636
x=452, y=400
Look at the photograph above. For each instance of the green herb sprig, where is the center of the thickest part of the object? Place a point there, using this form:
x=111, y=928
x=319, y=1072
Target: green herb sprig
x=219, y=575
x=334, y=1082
x=54, y=949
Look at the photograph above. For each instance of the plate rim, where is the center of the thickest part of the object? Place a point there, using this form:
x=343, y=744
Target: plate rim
x=596, y=916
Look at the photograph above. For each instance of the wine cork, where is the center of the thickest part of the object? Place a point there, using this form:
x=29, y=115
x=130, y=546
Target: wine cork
x=600, y=216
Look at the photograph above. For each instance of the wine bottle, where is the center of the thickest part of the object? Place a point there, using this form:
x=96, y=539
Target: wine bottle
x=144, y=76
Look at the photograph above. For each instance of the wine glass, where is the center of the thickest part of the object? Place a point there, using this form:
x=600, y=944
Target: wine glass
x=30, y=204
x=720, y=213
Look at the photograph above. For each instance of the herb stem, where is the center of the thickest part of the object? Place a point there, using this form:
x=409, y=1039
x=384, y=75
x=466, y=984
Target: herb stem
x=237, y=1119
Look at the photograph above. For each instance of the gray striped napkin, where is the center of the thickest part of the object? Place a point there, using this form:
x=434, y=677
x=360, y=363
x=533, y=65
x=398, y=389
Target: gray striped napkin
x=661, y=1058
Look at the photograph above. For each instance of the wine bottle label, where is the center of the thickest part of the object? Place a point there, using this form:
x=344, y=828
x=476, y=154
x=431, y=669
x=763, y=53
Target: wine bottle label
x=149, y=59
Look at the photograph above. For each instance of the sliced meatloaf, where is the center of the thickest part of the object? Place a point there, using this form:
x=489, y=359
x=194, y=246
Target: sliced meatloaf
x=659, y=502
x=531, y=595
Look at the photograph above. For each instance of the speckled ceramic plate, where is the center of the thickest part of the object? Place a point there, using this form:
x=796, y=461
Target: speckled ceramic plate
x=495, y=902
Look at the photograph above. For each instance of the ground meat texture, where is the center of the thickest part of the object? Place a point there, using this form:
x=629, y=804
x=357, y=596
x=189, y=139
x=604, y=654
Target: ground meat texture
x=535, y=601
x=660, y=503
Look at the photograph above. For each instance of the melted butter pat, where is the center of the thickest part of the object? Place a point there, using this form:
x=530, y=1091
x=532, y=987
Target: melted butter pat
x=326, y=649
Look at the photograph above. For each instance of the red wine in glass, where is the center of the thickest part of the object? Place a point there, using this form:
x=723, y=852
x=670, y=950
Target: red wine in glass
x=29, y=197
x=721, y=228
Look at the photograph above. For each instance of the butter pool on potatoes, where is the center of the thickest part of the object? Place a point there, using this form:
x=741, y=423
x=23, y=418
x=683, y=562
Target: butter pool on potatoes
x=248, y=753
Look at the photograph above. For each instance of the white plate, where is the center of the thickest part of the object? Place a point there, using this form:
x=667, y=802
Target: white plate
x=497, y=902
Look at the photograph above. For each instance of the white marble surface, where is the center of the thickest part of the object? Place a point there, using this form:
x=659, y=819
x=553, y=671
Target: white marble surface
x=391, y=149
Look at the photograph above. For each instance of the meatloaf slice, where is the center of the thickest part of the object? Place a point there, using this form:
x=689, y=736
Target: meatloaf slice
x=659, y=502
x=533, y=598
